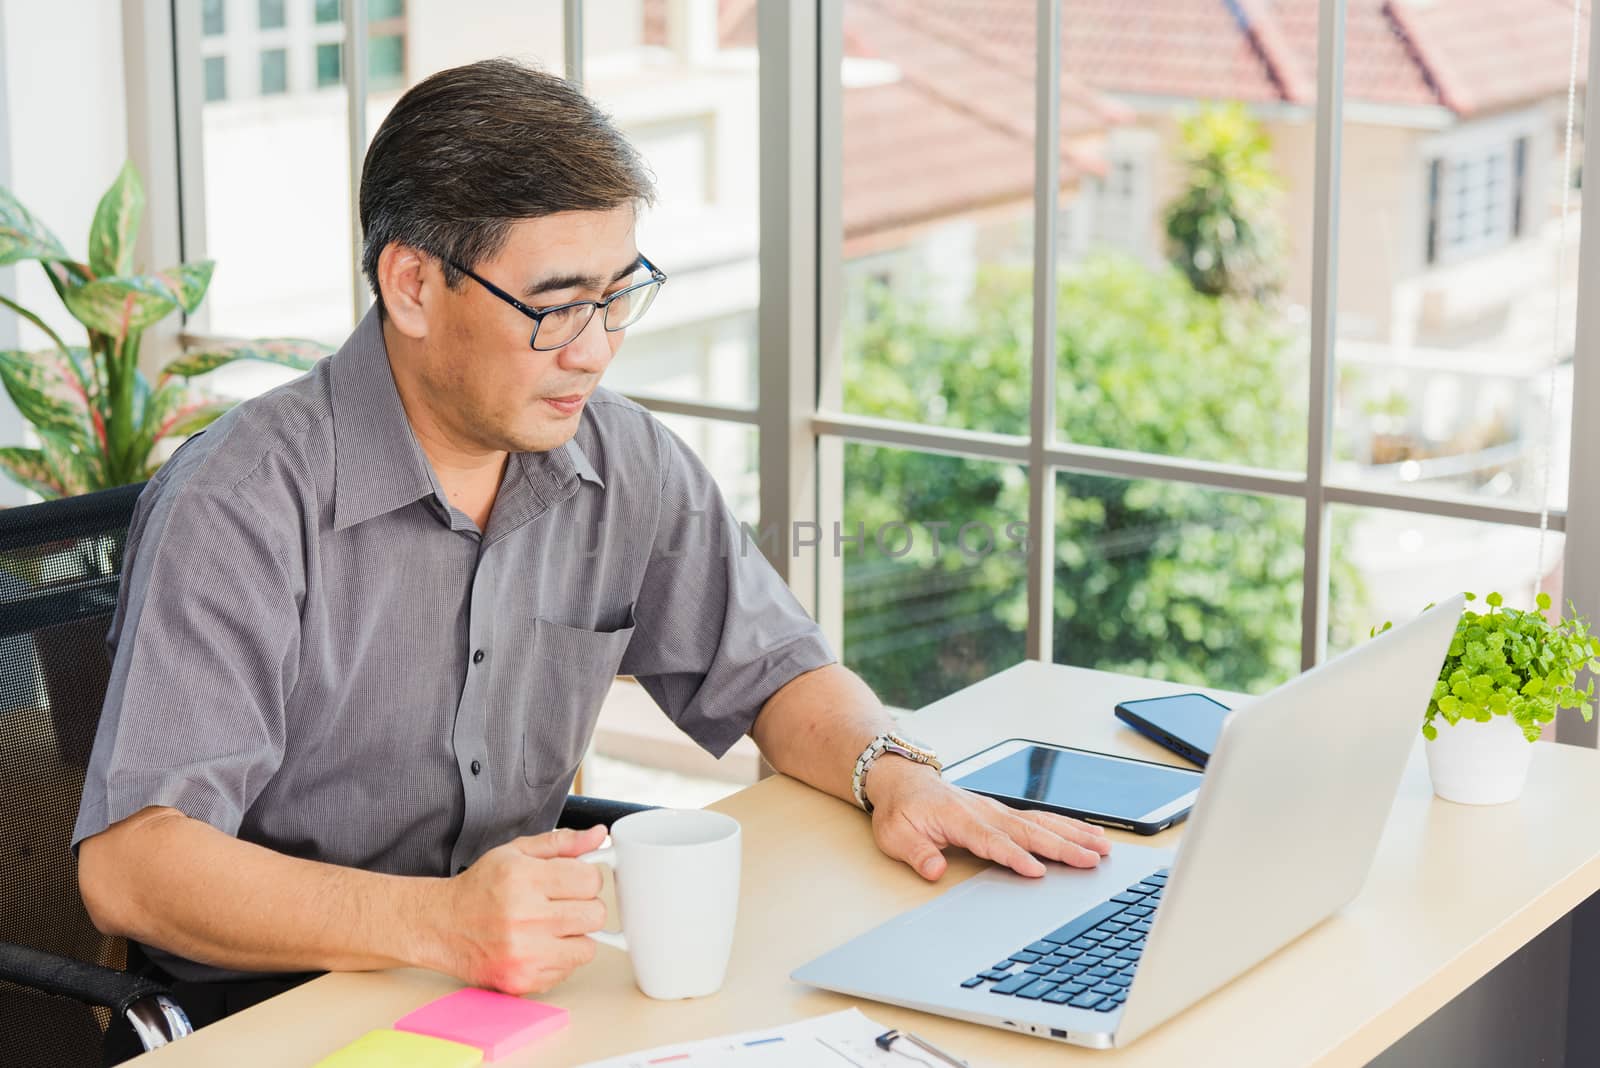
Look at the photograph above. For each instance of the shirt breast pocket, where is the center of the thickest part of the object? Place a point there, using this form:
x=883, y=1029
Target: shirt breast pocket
x=573, y=670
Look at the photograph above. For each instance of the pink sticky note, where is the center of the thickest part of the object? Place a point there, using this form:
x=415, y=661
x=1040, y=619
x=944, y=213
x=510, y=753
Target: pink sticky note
x=498, y=1024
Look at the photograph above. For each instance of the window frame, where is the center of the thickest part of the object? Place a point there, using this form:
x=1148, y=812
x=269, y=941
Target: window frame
x=1046, y=456
x=799, y=412
x=1499, y=148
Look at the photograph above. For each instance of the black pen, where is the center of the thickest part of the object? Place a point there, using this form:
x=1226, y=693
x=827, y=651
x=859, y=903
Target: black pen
x=886, y=1041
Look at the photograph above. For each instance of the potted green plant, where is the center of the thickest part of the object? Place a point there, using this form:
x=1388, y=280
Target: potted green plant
x=1507, y=674
x=100, y=421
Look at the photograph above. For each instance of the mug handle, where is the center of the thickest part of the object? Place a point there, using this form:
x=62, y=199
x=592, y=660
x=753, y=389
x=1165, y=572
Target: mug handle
x=608, y=857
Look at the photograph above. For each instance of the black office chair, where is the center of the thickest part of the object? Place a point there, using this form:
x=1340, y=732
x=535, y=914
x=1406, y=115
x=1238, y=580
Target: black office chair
x=61, y=980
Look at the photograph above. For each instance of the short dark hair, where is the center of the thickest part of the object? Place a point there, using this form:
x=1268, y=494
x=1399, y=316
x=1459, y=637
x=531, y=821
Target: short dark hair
x=471, y=150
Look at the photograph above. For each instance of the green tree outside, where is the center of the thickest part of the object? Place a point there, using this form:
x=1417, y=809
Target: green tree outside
x=1157, y=579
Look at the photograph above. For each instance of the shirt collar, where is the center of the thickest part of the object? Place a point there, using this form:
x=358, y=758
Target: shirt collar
x=581, y=464
x=378, y=465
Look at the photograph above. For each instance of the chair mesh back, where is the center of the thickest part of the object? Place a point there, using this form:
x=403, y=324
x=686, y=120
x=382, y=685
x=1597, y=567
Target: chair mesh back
x=59, y=566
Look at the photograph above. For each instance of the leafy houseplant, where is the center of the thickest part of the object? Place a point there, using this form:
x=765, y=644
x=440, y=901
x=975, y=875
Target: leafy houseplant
x=99, y=419
x=1507, y=674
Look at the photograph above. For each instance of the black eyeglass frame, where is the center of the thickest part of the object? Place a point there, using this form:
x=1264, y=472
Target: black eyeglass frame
x=657, y=278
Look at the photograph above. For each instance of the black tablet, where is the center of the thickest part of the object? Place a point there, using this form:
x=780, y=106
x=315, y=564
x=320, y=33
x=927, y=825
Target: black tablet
x=1134, y=795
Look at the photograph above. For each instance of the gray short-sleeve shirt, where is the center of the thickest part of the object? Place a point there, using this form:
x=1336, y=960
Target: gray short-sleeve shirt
x=314, y=651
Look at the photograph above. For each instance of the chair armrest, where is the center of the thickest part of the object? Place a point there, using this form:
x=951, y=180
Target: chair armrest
x=155, y=1017
x=580, y=812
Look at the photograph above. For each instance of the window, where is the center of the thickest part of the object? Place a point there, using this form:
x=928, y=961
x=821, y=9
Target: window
x=1478, y=211
x=1177, y=297
x=1476, y=201
x=931, y=554
x=1185, y=493
x=213, y=19
x=1178, y=504
x=1180, y=582
x=684, y=89
x=216, y=73
x=386, y=61
x=945, y=342
x=280, y=273
x=274, y=71
x=1446, y=387
x=1448, y=397
x=270, y=14
x=378, y=10
x=330, y=65
x=1406, y=558
x=1119, y=203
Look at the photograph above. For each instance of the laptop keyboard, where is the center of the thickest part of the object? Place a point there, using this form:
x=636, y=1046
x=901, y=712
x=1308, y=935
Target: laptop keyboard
x=1088, y=963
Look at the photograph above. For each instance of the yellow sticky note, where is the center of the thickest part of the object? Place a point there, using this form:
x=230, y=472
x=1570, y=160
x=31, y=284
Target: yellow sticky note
x=400, y=1049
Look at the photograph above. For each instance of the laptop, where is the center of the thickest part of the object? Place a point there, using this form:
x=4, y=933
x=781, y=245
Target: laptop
x=1282, y=835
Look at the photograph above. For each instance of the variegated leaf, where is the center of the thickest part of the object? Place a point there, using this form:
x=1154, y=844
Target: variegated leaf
x=188, y=282
x=119, y=306
x=83, y=365
x=45, y=390
x=65, y=275
x=297, y=353
x=116, y=224
x=158, y=406
x=23, y=236
x=194, y=418
x=79, y=469
x=31, y=468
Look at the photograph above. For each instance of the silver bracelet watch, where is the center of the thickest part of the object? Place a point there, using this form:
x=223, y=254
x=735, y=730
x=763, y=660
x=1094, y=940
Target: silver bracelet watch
x=889, y=742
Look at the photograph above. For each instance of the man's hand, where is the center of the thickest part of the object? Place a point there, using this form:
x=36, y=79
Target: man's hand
x=916, y=814
x=516, y=920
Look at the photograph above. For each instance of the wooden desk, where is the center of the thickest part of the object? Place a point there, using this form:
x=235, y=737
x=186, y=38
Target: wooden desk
x=1454, y=892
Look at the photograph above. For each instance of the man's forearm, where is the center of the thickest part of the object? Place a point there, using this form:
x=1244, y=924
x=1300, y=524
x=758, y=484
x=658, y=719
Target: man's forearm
x=815, y=727
x=164, y=879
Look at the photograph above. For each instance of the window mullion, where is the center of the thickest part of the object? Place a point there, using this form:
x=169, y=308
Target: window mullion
x=1041, y=407
x=1581, y=565
x=787, y=314
x=572, y=40
x=1324, y=274
x=355, y=64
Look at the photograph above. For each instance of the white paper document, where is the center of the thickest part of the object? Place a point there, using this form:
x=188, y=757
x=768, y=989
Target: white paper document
x=839, y=1040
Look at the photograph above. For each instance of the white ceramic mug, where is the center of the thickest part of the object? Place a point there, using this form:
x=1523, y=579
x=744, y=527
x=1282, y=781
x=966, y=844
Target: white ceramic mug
x=677, y=873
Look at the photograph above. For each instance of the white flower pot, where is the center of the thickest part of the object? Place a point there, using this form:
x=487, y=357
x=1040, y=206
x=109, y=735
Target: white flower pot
x=1476, y=763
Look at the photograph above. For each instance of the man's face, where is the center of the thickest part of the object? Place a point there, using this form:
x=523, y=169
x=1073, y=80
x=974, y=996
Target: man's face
x=485, y=383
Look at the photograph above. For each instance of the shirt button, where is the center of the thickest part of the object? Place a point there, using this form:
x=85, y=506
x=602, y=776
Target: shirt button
x=476, y=767
x=477, y=657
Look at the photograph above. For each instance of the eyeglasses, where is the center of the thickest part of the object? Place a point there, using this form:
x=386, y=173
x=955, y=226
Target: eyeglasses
x=558, y=327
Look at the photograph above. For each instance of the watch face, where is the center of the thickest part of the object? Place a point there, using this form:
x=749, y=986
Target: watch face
x=913, y=743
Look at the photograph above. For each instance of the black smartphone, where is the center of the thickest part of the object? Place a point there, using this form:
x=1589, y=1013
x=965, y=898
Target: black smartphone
x=1133, y=795
x=1186, y=723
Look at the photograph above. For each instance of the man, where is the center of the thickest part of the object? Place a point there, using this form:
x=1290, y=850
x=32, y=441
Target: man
x=368, y=619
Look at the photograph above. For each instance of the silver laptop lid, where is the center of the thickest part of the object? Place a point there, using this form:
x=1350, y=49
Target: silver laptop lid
x=1289, y=817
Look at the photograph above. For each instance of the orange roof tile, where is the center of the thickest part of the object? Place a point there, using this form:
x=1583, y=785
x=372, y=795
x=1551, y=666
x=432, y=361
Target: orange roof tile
x=1487, y=54
x=1467, y=55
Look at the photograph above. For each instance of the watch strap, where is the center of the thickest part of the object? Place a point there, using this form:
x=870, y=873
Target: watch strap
x=887, y=742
